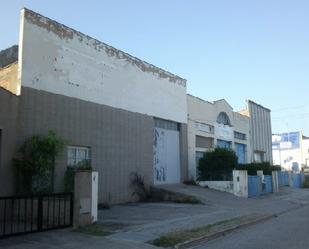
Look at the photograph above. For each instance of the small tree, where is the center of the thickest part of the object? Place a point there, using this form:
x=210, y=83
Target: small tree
x=217, y=164
x=36, y=162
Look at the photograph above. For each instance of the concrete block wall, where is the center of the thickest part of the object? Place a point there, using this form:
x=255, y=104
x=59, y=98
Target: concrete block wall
x=121, y=141
x=9, y=104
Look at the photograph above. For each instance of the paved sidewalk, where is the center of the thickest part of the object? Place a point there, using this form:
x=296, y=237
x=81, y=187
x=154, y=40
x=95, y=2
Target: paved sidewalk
x=146, y=221
x=140, y=222
x=66, y=239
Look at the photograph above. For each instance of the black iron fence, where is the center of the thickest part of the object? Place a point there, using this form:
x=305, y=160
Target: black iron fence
x=27, y=214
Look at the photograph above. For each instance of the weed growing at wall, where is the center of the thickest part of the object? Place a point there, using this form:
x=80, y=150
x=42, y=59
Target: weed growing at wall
x=36, y=162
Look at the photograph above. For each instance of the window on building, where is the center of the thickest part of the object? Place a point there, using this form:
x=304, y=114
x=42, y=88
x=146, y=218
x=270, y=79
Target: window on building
x=198, y=156
x=166, y=124
x=223, y=118
x=224, y=144
x=239, y=135
x=79, y=156
x=258, y=156
x=241, y=152
x=204, y=142
x=204, y=127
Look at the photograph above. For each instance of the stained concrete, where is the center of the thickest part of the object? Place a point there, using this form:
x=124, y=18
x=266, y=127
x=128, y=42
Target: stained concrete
x=8, y=56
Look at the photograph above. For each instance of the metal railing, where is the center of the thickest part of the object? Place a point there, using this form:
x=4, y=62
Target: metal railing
x=36, y=213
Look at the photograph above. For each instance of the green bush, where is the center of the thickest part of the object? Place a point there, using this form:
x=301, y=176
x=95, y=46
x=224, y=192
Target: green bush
x=252, y=168
x=36, y=161
x=217, y=165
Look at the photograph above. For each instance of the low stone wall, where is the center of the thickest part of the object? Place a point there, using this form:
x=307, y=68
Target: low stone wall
x=224, y=186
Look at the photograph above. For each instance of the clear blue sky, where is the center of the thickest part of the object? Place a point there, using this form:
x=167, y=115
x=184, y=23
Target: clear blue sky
x=237, y=50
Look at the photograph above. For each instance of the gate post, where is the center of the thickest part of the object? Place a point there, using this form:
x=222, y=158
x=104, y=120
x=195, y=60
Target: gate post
x=85, y=197
x=260, y=173
x=302, y=179
x=290, y=178
x=240, y=183
x=275, y=181
x=40, y=213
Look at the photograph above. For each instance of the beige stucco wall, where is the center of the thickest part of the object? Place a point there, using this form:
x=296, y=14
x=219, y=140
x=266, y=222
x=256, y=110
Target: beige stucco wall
x=207, y=112
x=8, y=78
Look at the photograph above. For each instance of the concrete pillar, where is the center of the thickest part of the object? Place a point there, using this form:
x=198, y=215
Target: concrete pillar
x=302, y=179
x=85, y=197
x=290, y=179
x=261, y=175
x=240, y=183
x=275, y=181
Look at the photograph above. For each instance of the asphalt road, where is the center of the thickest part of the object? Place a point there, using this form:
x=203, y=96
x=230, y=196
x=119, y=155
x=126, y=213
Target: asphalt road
x=287, y=231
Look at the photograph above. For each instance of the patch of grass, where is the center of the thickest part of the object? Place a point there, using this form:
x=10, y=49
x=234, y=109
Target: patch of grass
x=174, y=238
x=94, y=229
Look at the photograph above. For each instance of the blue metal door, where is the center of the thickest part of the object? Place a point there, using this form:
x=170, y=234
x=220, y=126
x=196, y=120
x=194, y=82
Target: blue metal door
x=296, y=181
x=268, y=181
x=253, y=186
x=283, y=178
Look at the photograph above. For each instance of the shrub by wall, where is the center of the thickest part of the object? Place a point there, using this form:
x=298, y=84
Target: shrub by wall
x=252, y=168
x=217, y=165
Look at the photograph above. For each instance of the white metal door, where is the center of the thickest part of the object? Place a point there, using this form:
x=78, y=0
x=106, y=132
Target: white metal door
x=166, y=156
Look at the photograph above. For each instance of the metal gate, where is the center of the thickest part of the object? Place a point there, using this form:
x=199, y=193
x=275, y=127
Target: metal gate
x=29, y=214
x=283, y=178
x=267, y=184
x=254, y=183
x=296, y=180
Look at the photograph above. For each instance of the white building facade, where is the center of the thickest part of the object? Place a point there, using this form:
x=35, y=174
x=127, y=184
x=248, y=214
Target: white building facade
x=291, y=150
x=215, y=124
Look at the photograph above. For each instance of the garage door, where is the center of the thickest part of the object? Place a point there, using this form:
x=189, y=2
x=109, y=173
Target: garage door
x=166, y=153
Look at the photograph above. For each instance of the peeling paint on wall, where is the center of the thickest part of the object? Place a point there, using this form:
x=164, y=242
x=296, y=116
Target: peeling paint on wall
x=70, y=63
x=64, y=32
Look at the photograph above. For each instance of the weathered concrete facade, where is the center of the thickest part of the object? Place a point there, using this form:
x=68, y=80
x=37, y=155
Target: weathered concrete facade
x=260, y=131
x=206, y=131
x=92, y=95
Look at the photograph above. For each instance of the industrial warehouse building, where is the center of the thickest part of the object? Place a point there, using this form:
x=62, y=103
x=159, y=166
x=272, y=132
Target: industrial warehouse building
x=119, y=112
x=116, y=111
x=215, y=124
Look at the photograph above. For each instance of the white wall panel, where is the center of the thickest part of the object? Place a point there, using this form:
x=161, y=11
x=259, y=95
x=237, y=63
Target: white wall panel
x=57, y=59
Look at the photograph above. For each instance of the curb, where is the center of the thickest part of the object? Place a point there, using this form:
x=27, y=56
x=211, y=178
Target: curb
x=203, y=239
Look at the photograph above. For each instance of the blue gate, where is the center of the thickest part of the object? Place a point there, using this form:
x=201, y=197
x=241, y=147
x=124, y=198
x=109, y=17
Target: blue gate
x=296, y=181
x=253, y=186
x=283, y=178
x=268, y=184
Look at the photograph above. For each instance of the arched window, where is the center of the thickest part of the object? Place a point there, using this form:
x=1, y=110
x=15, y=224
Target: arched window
x=223, y=118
